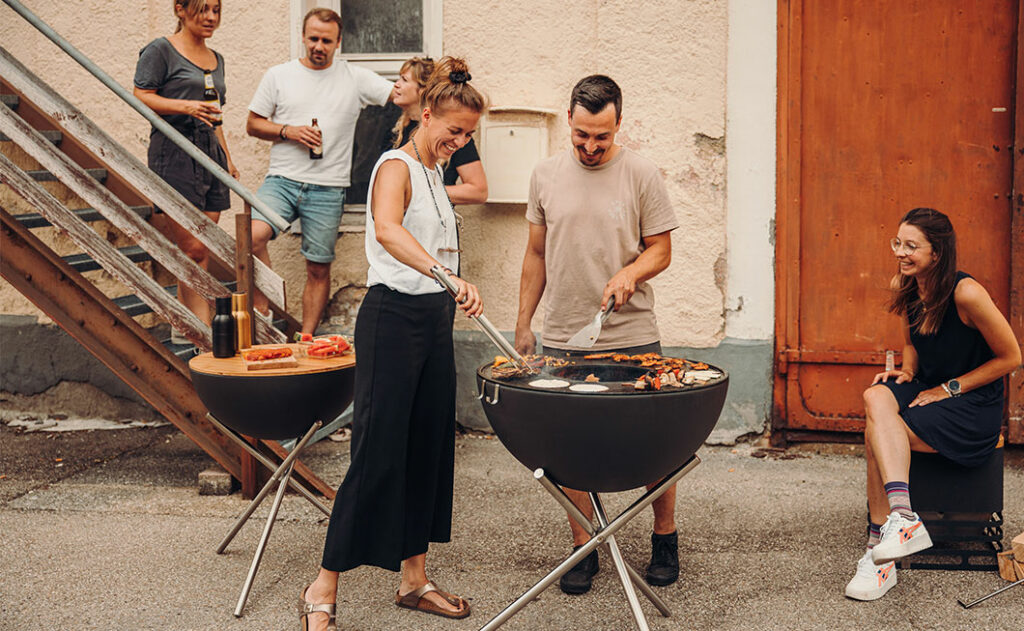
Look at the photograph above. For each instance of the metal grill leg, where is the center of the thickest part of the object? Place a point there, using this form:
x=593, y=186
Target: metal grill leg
x=292, y=482
x=278, y=474
x=599, y=537
x=620, y=566
x=251, y=576
x=576, y=514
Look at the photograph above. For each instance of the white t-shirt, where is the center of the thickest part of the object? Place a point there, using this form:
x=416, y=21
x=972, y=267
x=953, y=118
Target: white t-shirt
x=421, y=219
x=292, y=94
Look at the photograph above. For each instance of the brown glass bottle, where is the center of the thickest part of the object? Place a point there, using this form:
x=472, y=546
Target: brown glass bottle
x=317, y=153
x=211, y=97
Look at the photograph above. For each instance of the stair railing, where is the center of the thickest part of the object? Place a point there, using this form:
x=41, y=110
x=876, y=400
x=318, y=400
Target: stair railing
x=159, y=123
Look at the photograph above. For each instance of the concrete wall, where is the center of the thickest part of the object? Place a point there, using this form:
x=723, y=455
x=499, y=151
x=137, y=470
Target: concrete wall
x=689, y=70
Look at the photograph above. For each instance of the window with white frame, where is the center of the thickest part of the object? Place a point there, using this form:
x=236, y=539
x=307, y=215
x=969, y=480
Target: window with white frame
x=379, y=34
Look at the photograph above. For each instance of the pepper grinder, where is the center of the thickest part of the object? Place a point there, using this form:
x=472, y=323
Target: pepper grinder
x=223, y=329
x=243, y=324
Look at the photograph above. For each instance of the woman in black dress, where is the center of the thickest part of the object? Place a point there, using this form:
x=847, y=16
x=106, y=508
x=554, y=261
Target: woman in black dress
x=171, y=77
x=947, y=397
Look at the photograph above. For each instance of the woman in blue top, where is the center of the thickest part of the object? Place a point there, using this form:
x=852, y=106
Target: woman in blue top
x=170, y=77
x=947, y=397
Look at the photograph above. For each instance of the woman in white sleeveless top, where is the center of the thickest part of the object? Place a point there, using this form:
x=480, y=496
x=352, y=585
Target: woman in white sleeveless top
x=397, y=494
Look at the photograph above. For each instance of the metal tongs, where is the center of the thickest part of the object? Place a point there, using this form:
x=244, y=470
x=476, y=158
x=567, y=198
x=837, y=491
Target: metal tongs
x=485, y=325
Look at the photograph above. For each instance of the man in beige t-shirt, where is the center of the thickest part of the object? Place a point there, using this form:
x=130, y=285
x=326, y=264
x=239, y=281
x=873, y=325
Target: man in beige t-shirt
x=600, y=219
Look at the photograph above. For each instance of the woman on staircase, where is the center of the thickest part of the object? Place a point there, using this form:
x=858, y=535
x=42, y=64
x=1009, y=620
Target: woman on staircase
x=947, y=397
x=182, y=80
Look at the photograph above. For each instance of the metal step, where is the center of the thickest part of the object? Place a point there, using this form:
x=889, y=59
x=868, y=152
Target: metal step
x=35, y=220
x=85, y=263
x=53, y=135
x=10, y=100
x=46, y=176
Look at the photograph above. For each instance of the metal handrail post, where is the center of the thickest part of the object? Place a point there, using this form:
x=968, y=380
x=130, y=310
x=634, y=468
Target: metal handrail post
x=159, y=123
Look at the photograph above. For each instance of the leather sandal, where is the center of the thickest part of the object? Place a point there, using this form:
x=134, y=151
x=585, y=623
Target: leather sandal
x=415, y=600
x=306, y=608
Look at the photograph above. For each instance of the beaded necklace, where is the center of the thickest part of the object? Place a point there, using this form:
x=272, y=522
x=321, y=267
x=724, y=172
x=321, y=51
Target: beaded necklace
x=444, y=224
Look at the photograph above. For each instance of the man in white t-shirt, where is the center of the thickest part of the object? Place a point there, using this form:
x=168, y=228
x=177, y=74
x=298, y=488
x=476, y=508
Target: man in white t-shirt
x=298, y=185
x=600, y=219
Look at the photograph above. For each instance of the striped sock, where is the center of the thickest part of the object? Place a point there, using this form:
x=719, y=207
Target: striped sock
x=874, y=534
x=899, y=498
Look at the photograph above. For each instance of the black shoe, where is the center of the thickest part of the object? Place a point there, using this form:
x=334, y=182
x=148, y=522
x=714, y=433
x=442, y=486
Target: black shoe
x=664, y=567
x=577, y=580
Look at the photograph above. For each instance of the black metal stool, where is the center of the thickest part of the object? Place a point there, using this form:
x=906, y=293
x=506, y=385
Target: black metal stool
x=962, y=507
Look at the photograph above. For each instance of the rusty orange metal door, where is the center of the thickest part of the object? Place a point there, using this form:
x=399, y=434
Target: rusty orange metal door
x=883, y=107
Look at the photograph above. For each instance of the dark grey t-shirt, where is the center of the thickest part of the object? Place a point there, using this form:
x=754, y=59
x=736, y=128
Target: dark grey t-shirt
x=162, y=68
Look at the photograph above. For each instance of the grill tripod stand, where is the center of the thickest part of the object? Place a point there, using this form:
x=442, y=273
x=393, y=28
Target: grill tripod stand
x=603, y=535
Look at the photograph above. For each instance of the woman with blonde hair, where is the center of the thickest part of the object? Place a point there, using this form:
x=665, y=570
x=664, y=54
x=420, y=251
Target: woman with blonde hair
x=947, y=397
x=465, y=163
x=397, y=495
x=171, y=77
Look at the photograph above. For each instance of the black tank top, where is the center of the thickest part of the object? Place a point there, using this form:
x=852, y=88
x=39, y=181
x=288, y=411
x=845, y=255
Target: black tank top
x=953, y=350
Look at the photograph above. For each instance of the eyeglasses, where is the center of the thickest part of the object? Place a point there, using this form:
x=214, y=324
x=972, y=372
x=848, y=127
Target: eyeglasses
x=909, y=247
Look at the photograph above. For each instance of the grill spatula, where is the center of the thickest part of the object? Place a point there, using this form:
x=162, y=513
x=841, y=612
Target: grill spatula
x=587, y=336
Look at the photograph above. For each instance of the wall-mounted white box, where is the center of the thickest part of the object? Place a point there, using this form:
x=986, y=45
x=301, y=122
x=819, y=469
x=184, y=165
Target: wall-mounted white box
x=512, y=141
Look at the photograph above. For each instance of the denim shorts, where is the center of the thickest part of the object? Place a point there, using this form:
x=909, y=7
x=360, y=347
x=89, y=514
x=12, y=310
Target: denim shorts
x=319, y=208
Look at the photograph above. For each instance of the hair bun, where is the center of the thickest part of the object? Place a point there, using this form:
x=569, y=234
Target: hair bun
x=459, y=77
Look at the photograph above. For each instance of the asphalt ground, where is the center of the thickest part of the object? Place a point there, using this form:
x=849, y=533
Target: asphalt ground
x=114, y=535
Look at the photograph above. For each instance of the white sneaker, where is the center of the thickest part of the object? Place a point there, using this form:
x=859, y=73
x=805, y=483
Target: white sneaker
x=871, y=581
x=900, y=537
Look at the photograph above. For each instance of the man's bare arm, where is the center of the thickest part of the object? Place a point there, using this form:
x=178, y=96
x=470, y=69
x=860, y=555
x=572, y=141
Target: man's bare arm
x=531, y=288
x=652, y=261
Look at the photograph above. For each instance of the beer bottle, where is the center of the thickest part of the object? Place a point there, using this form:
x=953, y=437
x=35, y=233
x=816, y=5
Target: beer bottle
x=317, y=153
x=210, y=96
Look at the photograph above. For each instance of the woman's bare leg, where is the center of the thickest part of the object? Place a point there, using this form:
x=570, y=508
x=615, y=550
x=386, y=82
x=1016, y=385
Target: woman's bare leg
x=323, y=590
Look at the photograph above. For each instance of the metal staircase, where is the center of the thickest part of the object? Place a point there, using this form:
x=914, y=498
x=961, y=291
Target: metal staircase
x=45, y=139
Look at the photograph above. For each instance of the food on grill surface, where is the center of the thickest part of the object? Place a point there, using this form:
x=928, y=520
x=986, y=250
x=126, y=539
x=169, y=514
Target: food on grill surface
x=549, y=383
x=504, y=368
x=266, y=358
x=662, y=371
x=328, y=346
x=588, y=387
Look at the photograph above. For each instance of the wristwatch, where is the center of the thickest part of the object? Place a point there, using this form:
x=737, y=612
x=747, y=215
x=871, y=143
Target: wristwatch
x=952, y=387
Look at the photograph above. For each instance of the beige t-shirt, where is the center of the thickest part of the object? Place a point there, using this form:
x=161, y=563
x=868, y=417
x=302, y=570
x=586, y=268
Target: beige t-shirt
x=596, y=218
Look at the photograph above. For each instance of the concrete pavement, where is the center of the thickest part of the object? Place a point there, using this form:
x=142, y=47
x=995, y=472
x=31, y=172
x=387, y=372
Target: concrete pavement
x=117, y=537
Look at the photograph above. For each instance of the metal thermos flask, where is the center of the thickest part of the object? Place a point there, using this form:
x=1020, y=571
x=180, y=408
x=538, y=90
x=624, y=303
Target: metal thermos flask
x=243, y=323
x=223, y=329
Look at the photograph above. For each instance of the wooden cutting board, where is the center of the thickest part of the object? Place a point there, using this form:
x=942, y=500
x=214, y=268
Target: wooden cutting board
x=233, y=366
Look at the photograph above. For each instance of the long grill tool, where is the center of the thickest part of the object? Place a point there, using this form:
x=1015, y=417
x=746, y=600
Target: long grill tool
x=485, y=325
